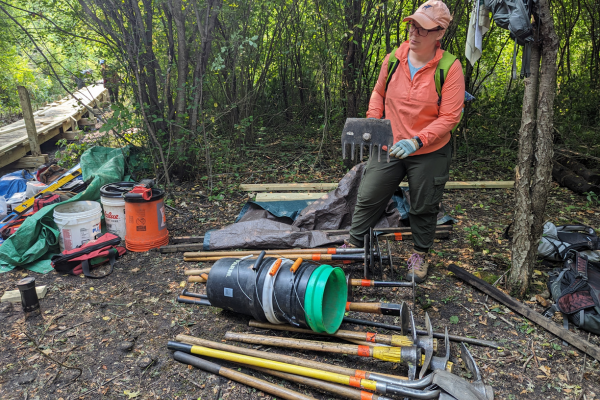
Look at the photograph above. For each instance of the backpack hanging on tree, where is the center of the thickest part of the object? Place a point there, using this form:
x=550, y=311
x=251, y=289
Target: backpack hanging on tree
x=515, y=16
x=576, y=292
x=89, y=255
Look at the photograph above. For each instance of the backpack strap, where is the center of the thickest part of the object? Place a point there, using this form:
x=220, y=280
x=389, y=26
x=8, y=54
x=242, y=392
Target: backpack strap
x=441, y=72
x=113, y=253
x=393, y=63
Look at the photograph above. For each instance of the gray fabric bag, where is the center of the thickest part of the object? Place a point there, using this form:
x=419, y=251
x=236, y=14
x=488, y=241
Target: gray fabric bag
x=515, y=15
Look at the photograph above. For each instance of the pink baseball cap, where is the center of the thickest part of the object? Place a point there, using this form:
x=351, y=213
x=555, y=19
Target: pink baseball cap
x=431, y=14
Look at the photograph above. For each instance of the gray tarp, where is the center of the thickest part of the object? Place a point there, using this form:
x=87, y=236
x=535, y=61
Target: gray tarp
x=258, y=229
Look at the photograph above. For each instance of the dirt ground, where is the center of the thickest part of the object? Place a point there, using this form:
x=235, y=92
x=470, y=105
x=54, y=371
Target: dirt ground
x=107, y=338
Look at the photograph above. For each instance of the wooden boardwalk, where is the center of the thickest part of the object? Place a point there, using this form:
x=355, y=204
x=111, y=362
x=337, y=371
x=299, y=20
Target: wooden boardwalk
x=51, y=121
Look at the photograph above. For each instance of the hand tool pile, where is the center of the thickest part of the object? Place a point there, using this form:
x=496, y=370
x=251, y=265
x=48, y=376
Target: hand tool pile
x=436, y=373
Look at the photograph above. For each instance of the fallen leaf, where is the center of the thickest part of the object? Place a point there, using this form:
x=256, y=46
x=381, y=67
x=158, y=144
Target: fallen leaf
x=545, y=370
x=131, y=394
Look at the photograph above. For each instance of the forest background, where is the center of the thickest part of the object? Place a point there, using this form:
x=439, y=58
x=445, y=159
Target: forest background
x=209, y=86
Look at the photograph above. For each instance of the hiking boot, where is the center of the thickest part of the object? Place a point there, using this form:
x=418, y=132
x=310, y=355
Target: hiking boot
x=348, y=245
x=417, y=266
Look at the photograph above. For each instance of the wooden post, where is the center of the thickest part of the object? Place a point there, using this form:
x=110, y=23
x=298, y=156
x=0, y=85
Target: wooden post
x=29, y=121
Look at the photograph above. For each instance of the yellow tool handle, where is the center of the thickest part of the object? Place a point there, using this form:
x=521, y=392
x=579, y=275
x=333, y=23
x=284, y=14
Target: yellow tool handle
x=292, y=369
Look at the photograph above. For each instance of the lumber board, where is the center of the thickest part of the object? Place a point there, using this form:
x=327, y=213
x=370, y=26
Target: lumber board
x=280, y=187
x=288, y=196
x=31, y=161
x=518, y=307
x=14, y=296
x=86, y=122
x=70, y=135
x=267, y=187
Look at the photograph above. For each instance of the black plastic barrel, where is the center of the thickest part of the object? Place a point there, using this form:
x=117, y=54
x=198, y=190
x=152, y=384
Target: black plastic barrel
x=234, y=285
x=313, y=297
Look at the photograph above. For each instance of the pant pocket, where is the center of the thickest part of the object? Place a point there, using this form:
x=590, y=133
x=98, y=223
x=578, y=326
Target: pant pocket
x=437, y=190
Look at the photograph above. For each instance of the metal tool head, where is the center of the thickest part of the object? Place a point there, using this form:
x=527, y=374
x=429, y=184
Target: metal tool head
x=471, y=365
x=349, y=284
x=371, y=132
x=411, y=355
x=442, y=362
x=426, y=343
x=404, y=317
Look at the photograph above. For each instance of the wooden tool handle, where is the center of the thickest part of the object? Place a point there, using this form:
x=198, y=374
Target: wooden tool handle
x=197, y=271
x=251, y=381
x=371, y=308
x=343, y=391
x=199, y=279
x=298, y=344
x=361, y=282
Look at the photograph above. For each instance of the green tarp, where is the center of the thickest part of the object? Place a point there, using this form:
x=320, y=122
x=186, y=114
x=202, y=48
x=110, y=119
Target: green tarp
x=35, y=242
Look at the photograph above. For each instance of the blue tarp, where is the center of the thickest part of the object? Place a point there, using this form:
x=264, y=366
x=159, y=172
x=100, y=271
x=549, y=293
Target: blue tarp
x=15, y=182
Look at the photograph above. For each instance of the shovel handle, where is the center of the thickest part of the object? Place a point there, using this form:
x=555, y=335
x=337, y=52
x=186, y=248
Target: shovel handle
x=199, y=279
x=371, y=308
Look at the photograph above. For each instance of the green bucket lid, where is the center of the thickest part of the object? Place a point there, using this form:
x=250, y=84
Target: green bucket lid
x=325, y=299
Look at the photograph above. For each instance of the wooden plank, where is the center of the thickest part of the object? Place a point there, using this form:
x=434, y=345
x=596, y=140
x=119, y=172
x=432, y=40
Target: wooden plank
x=267, y=187
x=516, y=306
x=14, y=296
x=272, y=187
x=86, y=122
x=31, y=161
x=288, y=196
x=71, y=135
x=29, y=121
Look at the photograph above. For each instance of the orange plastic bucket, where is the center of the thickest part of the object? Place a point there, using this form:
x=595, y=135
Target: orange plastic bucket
x=146, y=222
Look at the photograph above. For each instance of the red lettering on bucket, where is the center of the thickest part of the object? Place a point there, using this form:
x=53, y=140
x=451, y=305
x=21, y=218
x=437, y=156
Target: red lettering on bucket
x=111, y=215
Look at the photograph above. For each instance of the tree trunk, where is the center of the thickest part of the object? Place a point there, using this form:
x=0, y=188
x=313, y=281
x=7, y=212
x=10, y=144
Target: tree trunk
x=534, y=167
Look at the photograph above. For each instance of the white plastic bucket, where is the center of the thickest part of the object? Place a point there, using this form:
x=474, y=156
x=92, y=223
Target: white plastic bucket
x=114, y=215
x=78, y=223
x=33, y=188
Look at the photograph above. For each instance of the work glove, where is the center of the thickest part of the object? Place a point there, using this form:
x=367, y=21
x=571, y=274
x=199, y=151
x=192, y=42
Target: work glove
x=404, y=148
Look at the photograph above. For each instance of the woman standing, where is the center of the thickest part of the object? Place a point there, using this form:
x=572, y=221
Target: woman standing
x=422, y=122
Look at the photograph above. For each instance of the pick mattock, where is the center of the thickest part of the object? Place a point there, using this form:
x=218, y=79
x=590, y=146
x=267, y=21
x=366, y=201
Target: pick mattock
x=369, y=132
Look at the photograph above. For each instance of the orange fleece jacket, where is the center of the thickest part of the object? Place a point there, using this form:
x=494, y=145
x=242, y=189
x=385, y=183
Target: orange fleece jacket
x=412, y=107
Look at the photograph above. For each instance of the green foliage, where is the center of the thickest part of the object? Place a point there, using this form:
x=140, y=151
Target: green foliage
x=454, y=319
x=476, y=235
x=279, y=72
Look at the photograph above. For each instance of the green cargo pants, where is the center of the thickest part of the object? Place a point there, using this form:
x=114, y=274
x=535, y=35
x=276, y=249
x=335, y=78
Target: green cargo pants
x=427, y=174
